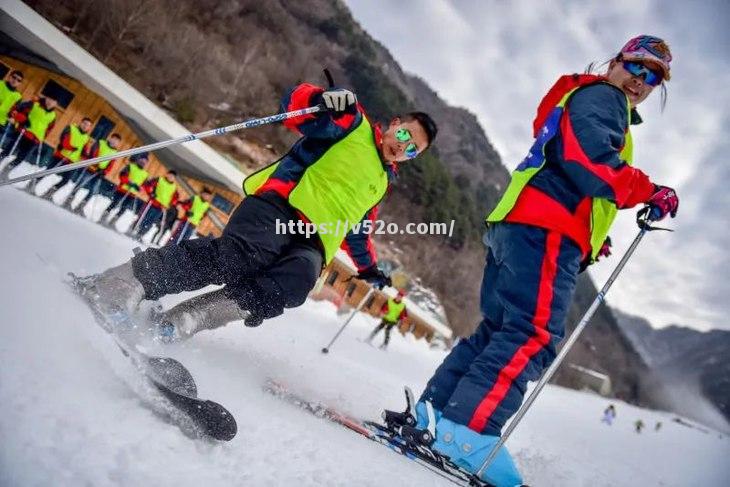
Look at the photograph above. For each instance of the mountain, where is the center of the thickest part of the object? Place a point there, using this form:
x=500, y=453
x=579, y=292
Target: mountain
x=689, y=363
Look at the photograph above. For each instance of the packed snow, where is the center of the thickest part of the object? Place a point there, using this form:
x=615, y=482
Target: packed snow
x=71, y=414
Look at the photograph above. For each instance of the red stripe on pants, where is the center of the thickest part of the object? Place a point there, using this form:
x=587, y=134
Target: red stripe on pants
x=534, y=344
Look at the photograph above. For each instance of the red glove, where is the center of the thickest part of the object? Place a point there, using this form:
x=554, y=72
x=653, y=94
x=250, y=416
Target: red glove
x=664, y=201
x=605, y=250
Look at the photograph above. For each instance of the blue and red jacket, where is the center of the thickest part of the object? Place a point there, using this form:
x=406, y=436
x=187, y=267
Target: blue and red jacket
x=582, y=162
x=320, y=132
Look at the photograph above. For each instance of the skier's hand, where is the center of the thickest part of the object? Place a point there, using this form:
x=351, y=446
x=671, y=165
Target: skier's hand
x=605, y=250
x=339, y=100
x=663, y=202
x=374, y=276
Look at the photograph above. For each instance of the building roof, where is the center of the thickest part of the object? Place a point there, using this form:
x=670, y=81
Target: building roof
x=52, y=47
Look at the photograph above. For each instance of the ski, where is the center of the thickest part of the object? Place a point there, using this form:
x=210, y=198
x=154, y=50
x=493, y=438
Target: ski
x=381, y=435
x=200, y=418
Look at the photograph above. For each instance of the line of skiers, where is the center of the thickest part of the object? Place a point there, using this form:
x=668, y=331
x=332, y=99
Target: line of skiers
x=552, y=221
x=25, y=126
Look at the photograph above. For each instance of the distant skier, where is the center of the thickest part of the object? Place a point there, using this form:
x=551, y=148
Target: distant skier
x=609, y=414
x=194, y=209
x=10, y=96
x=34, y=120
x=393, y=311
x=658, y=426
x=131, y=179
x=555, y=214
x=638, y=426
x=160, y=207
x=336, y=173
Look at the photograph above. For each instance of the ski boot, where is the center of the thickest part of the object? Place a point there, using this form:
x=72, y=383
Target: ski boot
x=468, y=449
x=204, y=312
x=113, y=295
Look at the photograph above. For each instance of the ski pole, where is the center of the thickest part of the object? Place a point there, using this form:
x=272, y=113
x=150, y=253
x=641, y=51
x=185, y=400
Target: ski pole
x=182, y=232
x=141, y=216
x=163, y=223
x=566, y=348
x=117, y=208
x=349, y=318
x=5, y=134
x=179, y=140
x=7, y=159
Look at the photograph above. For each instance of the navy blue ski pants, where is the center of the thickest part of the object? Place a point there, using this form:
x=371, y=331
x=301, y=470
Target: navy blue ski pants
x=527, y=288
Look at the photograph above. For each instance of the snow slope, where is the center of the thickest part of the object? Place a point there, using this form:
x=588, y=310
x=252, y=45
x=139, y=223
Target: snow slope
x=70, y=415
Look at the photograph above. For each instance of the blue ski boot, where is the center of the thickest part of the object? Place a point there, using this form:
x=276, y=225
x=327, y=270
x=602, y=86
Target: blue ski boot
x=468, y=449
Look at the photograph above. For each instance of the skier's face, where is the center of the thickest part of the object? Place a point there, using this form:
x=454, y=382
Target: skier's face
x=15, y=80
x=114, y=142
x=50, y=103
x=635, y=88
x=404, y=139
x=85, y=126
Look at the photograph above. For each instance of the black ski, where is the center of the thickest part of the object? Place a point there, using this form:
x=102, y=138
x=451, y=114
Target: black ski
x=382, y=435
x=174, y=382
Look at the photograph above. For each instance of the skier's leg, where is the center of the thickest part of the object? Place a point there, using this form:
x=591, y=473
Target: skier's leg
x=375, y=332
x=285, y=284
x=203, y=312
x=457, y=362
x=149, y=218
x=536, y=277
x=388, y=328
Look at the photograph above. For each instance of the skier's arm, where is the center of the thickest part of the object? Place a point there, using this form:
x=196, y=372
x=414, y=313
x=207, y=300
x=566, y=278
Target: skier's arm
x=359, y=245
x=149, y=186
x=327, y=125
x=65, y=140
x=21, y=111
x=593, y=132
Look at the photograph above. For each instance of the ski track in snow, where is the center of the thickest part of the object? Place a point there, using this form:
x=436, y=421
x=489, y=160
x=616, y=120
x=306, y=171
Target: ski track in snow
x=71, y=416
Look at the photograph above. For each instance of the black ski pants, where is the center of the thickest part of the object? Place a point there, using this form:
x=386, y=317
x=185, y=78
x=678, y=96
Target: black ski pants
x=263, y=271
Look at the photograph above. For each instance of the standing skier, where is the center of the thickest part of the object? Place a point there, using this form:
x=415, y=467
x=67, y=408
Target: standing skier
x=131, y=179
x=94, y=177
x=336, y=173
x=34, y=119
x=163, y=197
x=609, y=414
x=70, y=150
x=392, y=312
x=554, y=215
x=9, y=97
x=194, y=209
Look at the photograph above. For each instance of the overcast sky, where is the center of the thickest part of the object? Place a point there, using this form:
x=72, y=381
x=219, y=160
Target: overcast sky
x=497, y=58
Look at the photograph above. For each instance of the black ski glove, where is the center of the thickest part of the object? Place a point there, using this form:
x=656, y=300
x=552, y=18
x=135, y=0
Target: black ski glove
x=374, y=276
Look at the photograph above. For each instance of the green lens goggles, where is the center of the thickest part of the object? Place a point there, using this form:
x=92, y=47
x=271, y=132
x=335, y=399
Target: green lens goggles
x=403, y=135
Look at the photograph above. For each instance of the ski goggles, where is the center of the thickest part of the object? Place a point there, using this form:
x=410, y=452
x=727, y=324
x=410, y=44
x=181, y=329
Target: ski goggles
x=651, y=77
x=403, y=135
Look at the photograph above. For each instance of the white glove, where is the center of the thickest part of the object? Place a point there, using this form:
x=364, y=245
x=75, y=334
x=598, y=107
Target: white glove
x=339, y=100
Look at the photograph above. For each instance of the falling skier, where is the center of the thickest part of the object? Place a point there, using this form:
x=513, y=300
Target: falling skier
x=337, y=172
x=555, y=214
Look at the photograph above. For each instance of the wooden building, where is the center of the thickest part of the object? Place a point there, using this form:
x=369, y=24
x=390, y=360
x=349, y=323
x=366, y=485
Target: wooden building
x=76, y=101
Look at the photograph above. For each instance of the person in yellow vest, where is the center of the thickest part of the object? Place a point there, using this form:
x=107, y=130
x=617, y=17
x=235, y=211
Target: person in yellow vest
x=298, y=212
x=126, y=195
x=9, y=98
x=194, y=210
x=160, y=207
x=553, y=219
x=70, y=150
x=35, y=120
x=94, y=177
x=393, y=312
